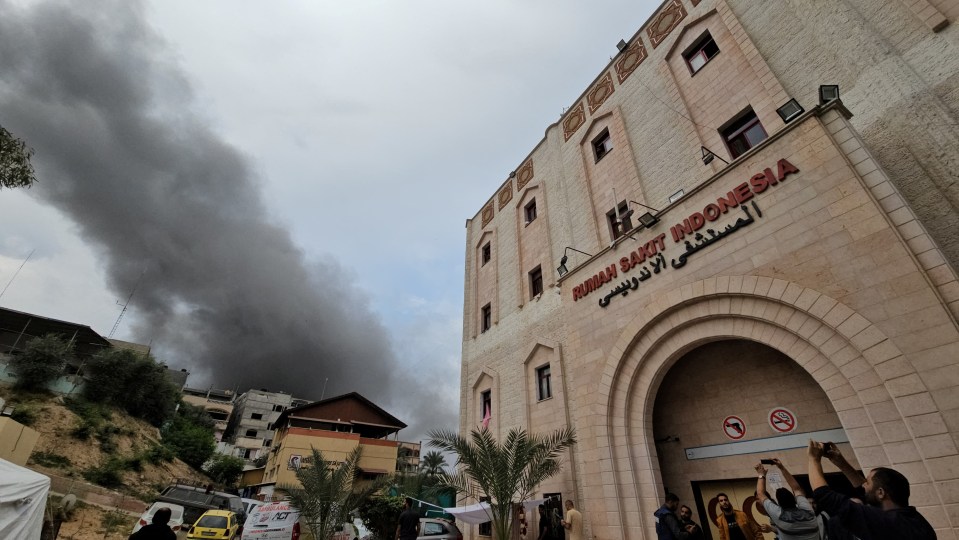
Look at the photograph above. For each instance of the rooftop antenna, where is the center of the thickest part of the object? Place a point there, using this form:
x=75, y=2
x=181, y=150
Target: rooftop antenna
x=323, y=393
x=126, y=304
x=17, y=272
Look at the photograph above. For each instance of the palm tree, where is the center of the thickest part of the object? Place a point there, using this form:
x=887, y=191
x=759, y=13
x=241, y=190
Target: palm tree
x=507, y=473
x=432, y=463
x=329, y=493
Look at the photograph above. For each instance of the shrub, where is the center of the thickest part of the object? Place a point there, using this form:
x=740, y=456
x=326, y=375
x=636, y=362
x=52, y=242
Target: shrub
x=134, y=382
x=50, y=459
x=107, y=474
x=41, y=361
x=24, y=414
x=225, y=469
x=158, y=453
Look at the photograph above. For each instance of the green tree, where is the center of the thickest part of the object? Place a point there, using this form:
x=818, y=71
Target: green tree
x=328, y=492
x=432, y=463
x=225, y=469
x=381, y=515
x=41, y=361
x=192, y=442
x=507, y=473
x=15, y=167
x=131, y=381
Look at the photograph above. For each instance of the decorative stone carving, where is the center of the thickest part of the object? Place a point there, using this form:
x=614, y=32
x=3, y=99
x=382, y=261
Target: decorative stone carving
x=575, y=118
x=664, y=22
x=524, y=174
x=488, y=214
x=631, y=58
x=505, y=194
x=600, y=93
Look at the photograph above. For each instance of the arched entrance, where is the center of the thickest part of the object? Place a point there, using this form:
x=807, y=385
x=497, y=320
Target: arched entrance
x=847, y=356
x=701, y=454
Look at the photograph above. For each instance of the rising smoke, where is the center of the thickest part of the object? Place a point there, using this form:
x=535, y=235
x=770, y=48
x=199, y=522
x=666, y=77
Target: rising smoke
x=121, y=151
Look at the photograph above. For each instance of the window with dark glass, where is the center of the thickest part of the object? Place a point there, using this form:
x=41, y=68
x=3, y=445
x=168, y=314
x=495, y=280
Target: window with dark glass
x=486, y=315
x=602, y=145
x=620, y=220
x=701, y=52
x=486, y=403
x=530, y=211
x=251, y=433
x=256, y=416
x=543, y=383
x=487, y=253
x=743, y=133
x=535, y=282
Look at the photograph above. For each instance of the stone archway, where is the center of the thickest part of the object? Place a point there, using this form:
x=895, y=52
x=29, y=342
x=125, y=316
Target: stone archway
x=861, y=371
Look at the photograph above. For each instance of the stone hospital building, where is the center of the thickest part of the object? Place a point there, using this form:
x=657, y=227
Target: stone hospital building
x=696, y=271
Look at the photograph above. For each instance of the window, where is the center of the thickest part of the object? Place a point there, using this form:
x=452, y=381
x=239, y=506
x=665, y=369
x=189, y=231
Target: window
x=530, y=211
x=743, y=133
x=486, y=403
x=267, y=442
x=486, y=317
x=602, y=145
x=432, y=528
x=278, y=408
x=700, y=53
x=535, y=282
x=487, y=253
x=485, y=528
x=544, y=387
x=251, y=433
x=620, y=221
x=256, y=416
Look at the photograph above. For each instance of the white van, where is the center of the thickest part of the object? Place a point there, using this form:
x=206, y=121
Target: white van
x=272, y=521
x=280, y=521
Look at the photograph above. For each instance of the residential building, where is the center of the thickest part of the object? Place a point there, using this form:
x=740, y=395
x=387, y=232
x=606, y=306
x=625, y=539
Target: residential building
x=408, y=457
x=694, y=271
x=334, y=426
x=250, y=428
x=217, y=403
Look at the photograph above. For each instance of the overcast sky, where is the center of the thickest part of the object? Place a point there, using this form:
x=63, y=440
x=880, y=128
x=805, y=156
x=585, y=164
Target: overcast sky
x=291, y=179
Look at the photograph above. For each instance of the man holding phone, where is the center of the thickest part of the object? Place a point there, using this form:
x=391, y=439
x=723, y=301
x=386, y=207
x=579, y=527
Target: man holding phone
x=791, y=512
x=886, y=514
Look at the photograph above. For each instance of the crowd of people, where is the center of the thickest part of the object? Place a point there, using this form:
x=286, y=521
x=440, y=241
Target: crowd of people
x=879, y=511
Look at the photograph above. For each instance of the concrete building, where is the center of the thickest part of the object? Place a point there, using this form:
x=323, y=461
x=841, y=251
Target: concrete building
x=688, y=315
x=335, y=427
x=217, y=403
x=408, y=457
x=250, y=428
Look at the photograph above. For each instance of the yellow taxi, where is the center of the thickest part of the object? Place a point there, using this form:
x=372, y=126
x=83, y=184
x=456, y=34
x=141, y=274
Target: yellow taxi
x=215, y=524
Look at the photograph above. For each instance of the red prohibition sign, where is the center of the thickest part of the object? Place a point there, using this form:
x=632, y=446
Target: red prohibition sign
x=734, y=427
x=782, y=420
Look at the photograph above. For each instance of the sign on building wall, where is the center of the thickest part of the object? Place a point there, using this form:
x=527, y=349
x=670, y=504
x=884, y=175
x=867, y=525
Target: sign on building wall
x=782, y=420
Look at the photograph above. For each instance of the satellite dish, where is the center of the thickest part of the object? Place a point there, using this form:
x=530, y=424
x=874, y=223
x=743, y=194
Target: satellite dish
x=68, y=502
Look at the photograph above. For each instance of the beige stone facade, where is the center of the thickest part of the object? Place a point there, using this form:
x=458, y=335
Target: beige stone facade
x=819, y=274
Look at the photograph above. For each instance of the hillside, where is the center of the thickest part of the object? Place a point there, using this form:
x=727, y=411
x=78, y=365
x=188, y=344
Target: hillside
x=98, y=445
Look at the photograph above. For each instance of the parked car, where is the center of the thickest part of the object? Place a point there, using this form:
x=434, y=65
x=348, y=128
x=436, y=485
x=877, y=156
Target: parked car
x=272, y=521
x=438, y=529
x=176, y=516
x=215, y=524
x=197, y=500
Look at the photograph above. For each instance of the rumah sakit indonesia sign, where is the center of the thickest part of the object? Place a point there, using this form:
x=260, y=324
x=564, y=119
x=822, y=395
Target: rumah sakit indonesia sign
x=694, y=232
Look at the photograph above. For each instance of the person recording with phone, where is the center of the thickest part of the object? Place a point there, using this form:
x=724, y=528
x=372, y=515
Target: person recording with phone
x=791, y=512
x=886, y=514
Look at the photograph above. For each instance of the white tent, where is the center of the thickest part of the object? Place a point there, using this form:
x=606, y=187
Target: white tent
x=480, y=513
x=23, y=500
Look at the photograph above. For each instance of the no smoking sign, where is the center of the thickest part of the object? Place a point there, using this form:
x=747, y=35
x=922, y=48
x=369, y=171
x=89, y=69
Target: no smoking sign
x=782, y=420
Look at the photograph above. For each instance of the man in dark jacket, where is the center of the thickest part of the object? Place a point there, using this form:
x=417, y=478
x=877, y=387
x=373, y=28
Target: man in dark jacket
x=668, y=526
x=686, y=521
x=886, y=514
x=158, y=530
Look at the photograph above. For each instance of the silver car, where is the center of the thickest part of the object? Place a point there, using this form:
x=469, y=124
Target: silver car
x=438, y=529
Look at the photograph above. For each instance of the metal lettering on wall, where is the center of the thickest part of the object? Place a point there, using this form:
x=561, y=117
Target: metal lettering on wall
x=651, y=252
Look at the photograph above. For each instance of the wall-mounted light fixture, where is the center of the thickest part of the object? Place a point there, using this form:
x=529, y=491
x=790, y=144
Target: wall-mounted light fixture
x=562, y=262
x=708, y=156
x=622, y=45
x=790, y=110
x=828, y=92
x=512, y=174
x=647, y=219
x=676, y=196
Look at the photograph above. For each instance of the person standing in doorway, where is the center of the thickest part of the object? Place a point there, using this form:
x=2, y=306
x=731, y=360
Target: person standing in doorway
x=686, y=520
x=409, y=526
x=543, y=523
x=573, y=522
x=668, y=526
x=733, y=524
